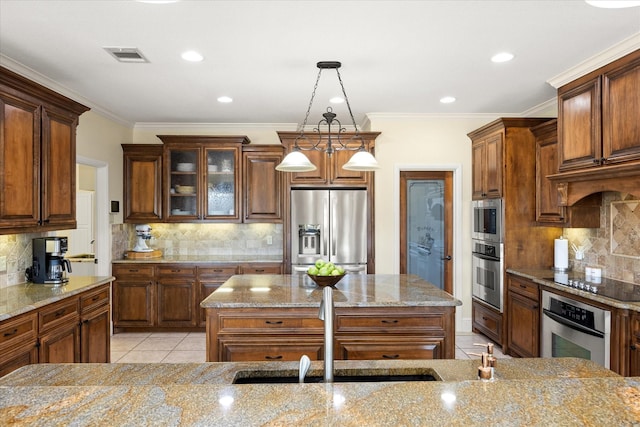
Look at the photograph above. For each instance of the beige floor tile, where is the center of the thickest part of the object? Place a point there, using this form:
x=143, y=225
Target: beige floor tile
x=180, y=356
x=125, y=343
x=180, y=335
x=117, y=355
x=136, y=356
x=192, y=344
x=461, y=354
x=154, y=343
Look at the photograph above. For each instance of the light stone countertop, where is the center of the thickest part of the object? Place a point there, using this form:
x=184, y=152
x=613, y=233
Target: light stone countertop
x=25, y=297
x=542, y=276
x=204, y=259
x=532, y=392
x=354, y=290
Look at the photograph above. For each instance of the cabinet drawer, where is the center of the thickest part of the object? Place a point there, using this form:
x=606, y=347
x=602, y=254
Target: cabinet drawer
x=261, y=269
x=417, y=348
x=398, y=323
x=121, y=271
x=487, y=321
x=176, y=270
x=217, y=271
x=58, y=313
x=271, y=350
x=524, y=287
x=94, y=299
x=17, y=331
x=271, y=324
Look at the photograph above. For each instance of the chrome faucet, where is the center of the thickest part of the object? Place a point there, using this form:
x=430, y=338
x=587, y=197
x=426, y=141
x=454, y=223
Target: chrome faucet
x=326, y=314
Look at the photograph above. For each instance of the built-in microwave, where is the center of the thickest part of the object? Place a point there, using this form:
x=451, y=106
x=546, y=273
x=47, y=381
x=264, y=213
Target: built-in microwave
x=487, y=219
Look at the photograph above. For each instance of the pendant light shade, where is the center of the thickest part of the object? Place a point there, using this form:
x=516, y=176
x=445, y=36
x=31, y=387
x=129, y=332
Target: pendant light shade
x=328, y=142
x=361, y=161
x=295, y=161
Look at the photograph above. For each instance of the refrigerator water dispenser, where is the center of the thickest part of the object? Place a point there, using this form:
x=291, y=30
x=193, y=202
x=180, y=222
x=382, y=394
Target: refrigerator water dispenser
x=309, y=239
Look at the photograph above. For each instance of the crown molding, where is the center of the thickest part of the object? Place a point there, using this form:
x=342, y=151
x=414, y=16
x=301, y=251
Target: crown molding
x=427, y=116
x=541, y=109
x=45, y=81
x=616, y=51
x=217, y=126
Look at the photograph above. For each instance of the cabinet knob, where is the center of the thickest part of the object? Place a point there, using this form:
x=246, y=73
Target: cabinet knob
x=634, y=347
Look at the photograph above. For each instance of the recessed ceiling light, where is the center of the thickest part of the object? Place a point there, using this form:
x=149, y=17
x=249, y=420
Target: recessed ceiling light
x=502, y=57
x=225, y=99
x=192, y=56
x=336, y=100
x=613, y=4
x=447, y=99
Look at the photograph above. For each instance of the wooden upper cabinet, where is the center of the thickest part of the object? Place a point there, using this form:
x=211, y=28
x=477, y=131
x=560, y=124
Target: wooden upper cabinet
x=142, y=182
x=487, y=166
x=38, y=149
x=263, y=185
x=329, y=169
x=202, y=178
x=585, y=214
x=598, y=117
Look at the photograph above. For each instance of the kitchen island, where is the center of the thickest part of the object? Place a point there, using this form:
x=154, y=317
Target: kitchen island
x=525, y=392
x=377, y=316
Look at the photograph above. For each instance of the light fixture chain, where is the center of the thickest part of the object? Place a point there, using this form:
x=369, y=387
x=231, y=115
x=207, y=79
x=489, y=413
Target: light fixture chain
x=313, y=94
x=346, y=99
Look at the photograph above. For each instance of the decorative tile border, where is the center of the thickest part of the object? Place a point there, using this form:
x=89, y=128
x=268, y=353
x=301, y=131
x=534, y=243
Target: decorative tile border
x=625, y=229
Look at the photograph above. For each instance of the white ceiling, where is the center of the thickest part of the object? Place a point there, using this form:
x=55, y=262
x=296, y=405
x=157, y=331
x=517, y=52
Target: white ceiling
x=398, y=57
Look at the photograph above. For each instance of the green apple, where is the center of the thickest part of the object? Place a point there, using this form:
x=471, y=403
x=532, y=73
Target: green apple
x=323, y=272
x=320, y=263
x=330, y=266
x=336, y=272
x=313, y=271
x=340, y=269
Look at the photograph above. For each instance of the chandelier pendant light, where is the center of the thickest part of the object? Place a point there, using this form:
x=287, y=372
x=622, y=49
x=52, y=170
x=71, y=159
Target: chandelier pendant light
x=331, y=140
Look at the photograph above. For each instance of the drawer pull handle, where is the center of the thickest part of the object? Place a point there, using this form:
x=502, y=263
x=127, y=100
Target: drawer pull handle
x=133, y=270
x=484, y=318
x=217, y=271
x=523, y=286
x=59, y=313
x=390, y=356
x=176, y=270
x=259, y=270
x=390, y=322
x=273, y=322
x=96, y=298
x=8, y=334
x=273, y=357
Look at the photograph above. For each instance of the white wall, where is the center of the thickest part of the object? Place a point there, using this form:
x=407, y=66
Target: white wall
x=424, y=142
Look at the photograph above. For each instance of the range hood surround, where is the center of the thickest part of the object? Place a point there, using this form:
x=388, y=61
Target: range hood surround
x=573, y=186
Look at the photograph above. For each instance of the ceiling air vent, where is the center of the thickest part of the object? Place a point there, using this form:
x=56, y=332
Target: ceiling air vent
x=126, y=54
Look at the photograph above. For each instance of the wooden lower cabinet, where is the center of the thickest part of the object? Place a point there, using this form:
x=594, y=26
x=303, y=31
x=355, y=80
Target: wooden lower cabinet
x=361, y=333
x=634, y=356
x=523, y=317
x=487, y=321
x=74, y=329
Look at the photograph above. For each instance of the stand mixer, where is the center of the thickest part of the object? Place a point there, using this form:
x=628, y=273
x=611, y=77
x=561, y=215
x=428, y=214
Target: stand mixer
x=143, y=231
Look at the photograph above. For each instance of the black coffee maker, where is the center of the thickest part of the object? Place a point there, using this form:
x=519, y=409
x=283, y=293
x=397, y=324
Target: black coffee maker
x=49, y=264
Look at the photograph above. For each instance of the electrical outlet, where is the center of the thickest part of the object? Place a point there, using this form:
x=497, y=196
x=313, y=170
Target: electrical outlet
x=3, y=264
x=269, y=240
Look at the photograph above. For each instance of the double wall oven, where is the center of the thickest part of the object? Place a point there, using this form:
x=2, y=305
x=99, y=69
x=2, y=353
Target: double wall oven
x=488, y=252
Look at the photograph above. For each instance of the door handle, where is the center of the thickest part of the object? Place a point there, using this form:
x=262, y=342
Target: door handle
x=447, y=258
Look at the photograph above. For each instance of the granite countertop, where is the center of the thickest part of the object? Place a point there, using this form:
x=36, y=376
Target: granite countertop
x=204, y=259
x=526, y=392
x=541, y=276
x=354, y=290
x=22, y=298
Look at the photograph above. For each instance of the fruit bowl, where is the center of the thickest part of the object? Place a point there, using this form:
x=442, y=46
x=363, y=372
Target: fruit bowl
x=326, y=280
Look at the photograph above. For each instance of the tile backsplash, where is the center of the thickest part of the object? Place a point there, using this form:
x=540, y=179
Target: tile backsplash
x=615, y=246
x=17, y=249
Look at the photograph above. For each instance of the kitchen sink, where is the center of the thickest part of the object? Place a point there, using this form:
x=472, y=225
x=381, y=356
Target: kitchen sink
x=349, y=376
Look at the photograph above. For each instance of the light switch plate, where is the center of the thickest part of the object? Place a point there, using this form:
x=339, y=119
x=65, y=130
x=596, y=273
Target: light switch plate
x=269, y=240
x=3, y=264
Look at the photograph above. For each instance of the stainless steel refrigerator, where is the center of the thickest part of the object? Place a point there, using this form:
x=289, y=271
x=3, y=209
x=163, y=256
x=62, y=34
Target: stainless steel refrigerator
x=329, y=224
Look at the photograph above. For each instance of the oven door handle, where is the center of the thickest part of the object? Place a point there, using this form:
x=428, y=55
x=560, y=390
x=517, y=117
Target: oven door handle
x=485, y=257
x=571, y=324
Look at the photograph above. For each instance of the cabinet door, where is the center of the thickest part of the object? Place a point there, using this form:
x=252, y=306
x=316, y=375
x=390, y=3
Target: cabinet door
x=621, y=113
x=493, y=167
x=95, y=336
x=315, y=177
x=338, y=175
x=634, y=356
x=61, y=345
x=183, y=183
x=19, y=164
x=18, y=357
x=176, y=302
x=263, y=186
x=579, y=131
x=523, y=334
x=133, y=303
x=142, y=183
x=223, y=182
x=547, y=208
x=58, y=159
x=478, y=166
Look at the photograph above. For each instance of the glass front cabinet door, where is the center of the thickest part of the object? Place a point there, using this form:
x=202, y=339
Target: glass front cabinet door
x=203, y=178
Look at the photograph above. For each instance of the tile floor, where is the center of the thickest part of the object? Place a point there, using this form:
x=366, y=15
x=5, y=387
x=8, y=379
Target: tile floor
x=182, y=347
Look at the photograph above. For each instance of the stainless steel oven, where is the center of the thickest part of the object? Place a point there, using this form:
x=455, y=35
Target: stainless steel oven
x=487, y=272
x=487, y=220
x=572, y=328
